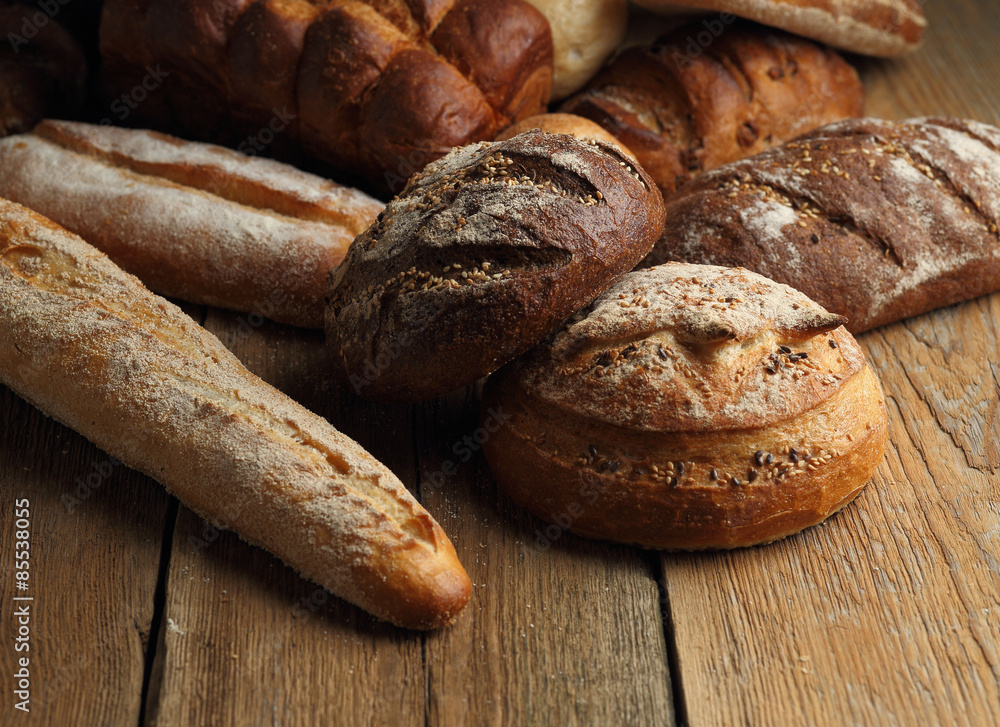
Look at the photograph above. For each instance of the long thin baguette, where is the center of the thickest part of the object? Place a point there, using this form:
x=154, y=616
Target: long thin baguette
x=193, y=221
x=88, y=345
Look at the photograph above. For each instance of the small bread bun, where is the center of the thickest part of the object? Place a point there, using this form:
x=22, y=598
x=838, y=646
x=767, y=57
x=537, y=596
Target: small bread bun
x=570, y=124
x=874, y=27
x=485, y=253
x=689, y=407
x=584, y=34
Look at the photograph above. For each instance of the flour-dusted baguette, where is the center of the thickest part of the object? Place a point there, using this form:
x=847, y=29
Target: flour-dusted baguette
x=485, y=253
x=689, y=407
x=874, y=220
x=377, y=88
x=873, y=27
x=88, y=345
x=192, y=221
x=683, y=108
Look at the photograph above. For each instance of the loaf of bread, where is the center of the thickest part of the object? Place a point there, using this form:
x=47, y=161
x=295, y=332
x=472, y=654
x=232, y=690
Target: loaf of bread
x=874, y=220
x=42, y=70
x=689, y=407
x=684, y=109
x=485, y=253
x=570, y=124
x=91, y=347
x=192, y=221
x=375, y=88
x=584, y=35
x=873, y=27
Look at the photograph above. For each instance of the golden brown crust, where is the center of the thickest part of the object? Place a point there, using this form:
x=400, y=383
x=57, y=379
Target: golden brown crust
x=458, y=71
x=875, y=220
x=689, y=407
x=570, y=124
x=484, y=254
x=89, y=346
x=684, y=109
x=197, y=222
x=873, y=27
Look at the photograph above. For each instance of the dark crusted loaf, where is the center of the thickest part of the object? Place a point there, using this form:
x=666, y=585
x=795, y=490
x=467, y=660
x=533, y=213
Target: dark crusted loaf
x=484, y=254
x=874, y=220
x=41, y=75
x=689, y=407
x=683, y=112
x=378, y=88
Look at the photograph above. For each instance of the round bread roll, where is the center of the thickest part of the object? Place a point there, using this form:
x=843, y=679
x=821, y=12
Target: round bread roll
x=485, y=253
x=584, y=34
x=884, y=28
x=570, y=124
x=689, y=407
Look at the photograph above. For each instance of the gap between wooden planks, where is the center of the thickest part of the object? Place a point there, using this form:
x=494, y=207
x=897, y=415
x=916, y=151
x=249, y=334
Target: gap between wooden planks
x=571, y=635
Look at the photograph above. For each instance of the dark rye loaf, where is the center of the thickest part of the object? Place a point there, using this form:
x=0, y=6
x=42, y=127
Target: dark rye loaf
x=875, y=220
x=484, y=254
x=683, y=109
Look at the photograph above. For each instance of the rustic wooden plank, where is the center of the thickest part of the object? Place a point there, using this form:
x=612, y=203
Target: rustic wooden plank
x=96, y=534
x=560, y=630
x=890, y=612
x=955, y=73
x=247, y=641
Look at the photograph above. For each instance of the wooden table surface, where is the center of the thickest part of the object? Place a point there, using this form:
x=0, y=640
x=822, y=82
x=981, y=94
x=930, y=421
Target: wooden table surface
x=888, y=614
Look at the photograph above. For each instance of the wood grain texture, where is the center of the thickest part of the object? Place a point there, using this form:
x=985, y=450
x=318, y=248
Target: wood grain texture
x=96, y=532
x=245, y=641
x=560, y=630
x=890, y=612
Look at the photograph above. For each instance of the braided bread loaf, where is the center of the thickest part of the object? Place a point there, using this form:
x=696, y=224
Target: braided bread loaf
x=379, y=88
x=874, y=220
x=683, y=108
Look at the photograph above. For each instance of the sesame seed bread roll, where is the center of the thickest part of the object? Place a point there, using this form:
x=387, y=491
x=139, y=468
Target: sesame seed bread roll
x=88, y=345
x=485, y=253
x=874, y=220
x=689, y=407
x=193, y=221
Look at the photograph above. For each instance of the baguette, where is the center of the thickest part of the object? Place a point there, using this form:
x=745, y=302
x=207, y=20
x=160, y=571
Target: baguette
x=874, y=27
x=689, y=407
x=192, y=221
x=88, y=345
x=874, y=220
